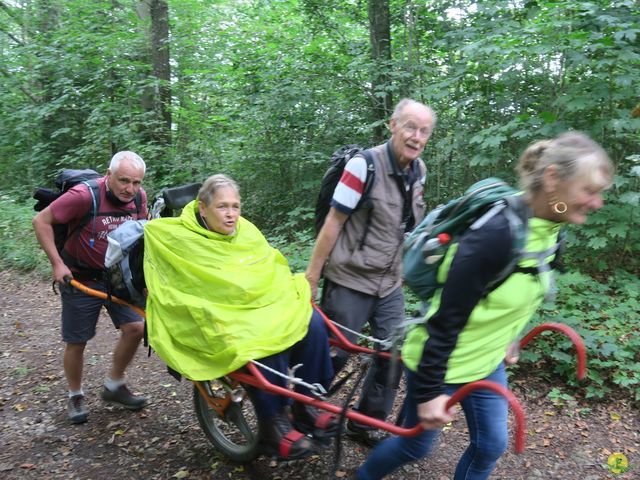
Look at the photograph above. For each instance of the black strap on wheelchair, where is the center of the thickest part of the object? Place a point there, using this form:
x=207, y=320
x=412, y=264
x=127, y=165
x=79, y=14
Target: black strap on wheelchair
x=364, y=368
x=338, y=385
x=145, y=339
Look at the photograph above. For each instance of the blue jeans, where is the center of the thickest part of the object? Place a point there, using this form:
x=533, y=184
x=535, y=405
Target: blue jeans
x=486, y=413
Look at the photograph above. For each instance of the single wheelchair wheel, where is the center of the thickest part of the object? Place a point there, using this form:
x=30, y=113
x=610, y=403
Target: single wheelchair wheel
x=228, y=419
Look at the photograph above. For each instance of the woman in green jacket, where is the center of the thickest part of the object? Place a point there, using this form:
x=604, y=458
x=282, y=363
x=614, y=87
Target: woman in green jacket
x=469, y=335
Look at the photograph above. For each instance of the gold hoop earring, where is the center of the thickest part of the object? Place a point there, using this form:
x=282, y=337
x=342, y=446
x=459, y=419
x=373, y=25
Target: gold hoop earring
x=559, y=207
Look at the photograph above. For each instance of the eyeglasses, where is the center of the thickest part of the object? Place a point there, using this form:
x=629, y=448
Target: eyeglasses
x=412, y=129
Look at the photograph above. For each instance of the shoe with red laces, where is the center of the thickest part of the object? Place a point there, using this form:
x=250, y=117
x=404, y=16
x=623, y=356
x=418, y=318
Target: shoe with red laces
x=319, y=423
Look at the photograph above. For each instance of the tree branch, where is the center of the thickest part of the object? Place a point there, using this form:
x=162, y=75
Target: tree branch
x=9, y=11
x=22, y=89
x=12, y=37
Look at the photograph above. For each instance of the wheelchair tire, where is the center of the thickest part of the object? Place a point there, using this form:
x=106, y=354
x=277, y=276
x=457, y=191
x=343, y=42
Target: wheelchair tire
x=237, y=434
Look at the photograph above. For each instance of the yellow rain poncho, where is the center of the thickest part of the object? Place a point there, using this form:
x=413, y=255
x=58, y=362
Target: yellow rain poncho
x=217, y=301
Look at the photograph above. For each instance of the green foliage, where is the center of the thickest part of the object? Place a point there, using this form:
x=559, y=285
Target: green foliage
x=19, y=248
x=412, y=304
x=522, y=71
x=23, y=371
x=560, y=399
x=607, y=316
x=76, y=80
x=296, y=245
x=275, y=90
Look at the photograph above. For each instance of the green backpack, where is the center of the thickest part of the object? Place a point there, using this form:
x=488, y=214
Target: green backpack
x=426, y=247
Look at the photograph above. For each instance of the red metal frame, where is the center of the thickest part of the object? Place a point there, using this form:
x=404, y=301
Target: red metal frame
x=252, y=376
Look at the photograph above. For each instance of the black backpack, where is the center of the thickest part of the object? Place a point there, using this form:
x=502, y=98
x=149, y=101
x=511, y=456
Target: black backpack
x=339, y=159
x=65, y=180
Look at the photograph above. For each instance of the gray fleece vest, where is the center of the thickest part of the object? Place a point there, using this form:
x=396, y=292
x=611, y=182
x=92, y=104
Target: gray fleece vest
x=375, y=266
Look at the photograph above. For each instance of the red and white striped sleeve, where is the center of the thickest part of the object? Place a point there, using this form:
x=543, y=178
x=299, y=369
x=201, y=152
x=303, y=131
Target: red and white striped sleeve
x=351, y=185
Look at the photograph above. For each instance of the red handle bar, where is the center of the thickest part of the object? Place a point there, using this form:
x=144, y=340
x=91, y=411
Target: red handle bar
x=573, y=336
x=338, y=339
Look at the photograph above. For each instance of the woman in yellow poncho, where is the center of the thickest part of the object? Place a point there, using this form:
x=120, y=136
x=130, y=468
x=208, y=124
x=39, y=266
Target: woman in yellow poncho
x=220, y=296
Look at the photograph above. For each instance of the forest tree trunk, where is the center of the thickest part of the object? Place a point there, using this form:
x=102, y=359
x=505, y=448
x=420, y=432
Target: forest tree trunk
x=380, y=38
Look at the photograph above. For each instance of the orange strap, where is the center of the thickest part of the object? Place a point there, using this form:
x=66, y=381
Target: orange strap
x=97, y=293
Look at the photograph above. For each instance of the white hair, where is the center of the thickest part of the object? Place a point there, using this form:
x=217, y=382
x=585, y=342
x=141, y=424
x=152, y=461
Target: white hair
x=214, y=183
x=406, y=102
x=127, y=155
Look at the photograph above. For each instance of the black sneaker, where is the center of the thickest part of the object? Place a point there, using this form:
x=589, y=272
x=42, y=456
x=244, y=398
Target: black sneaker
x=366, y=436
x=123, y=397
x=76, y=410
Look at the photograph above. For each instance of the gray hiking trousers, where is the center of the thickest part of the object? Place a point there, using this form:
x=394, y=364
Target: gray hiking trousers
x=354, y=309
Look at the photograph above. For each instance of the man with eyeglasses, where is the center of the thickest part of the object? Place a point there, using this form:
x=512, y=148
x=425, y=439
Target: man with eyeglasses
x=361, y=260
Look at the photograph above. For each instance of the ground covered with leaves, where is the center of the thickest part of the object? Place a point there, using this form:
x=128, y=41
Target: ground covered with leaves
x=566, y=438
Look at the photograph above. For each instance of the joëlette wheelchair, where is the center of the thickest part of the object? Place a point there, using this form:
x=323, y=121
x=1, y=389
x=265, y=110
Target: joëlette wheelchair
x=225, y=411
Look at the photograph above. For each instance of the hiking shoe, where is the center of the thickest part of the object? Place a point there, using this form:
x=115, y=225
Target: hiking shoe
x=320, y=424
x=76, y=410
x=365, y=436
x=280, y=439
x=123, y=397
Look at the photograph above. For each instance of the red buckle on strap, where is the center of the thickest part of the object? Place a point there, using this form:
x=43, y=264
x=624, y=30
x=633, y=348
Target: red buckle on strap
x=286, y=442
x=323, y=420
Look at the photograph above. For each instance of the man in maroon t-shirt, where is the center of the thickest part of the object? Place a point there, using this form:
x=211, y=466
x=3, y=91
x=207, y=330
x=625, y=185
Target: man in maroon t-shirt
x=83, y=259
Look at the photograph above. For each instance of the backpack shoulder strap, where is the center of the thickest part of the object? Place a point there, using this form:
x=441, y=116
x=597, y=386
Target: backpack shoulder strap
x=558, y=262
x=138, y=202
x=517, y=213
x=371, y=171
x=414, y=172
x=94, y=190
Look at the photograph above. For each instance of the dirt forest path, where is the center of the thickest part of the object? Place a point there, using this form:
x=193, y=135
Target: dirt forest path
x=164, y=440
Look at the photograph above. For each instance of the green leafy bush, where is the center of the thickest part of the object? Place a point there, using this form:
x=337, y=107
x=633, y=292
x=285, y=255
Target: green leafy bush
x=294, y=242
x=19, y=248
